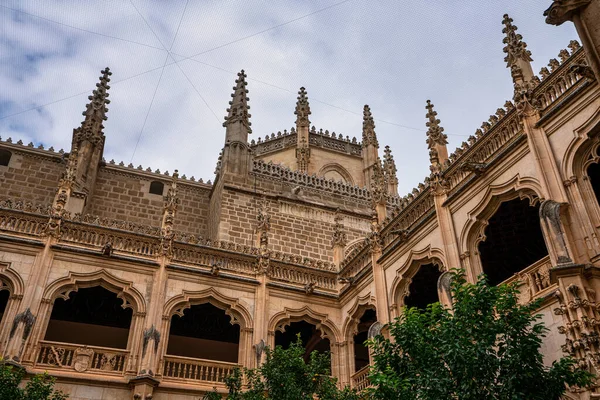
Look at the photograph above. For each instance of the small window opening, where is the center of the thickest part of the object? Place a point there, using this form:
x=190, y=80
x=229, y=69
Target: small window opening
x=5, y=156
x=157, y=187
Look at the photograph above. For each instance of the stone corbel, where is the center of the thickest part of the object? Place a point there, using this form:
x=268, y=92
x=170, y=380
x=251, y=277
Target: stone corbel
x=554, y=232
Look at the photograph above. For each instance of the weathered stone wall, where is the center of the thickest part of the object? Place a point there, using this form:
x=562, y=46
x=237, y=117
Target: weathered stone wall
x=298, y=227
x=123, y=195
x=30, y=176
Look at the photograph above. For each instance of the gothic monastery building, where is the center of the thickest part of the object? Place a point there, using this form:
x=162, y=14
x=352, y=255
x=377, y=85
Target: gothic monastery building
x=128, y=283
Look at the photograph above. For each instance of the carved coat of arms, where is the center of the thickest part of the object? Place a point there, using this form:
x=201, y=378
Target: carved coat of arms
x=83, y=359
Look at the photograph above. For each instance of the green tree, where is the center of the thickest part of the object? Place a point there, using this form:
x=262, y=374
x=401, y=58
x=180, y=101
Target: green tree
x=485, y=347
x=286, y=376
x=39, y=387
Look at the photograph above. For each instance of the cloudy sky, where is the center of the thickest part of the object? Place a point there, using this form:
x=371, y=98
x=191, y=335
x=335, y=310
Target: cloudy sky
x=174, y=64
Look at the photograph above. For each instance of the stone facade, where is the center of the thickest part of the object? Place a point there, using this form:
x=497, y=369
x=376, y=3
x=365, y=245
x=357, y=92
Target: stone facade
x=301, y=227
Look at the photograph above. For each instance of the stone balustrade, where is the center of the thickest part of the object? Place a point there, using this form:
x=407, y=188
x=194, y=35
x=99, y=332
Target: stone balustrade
x=533, y=280
x=360, y=379
x=199, y=255
x=22, y=223
x=80, y=358
x=99, y=237
x=195, y=369
x=303, y=276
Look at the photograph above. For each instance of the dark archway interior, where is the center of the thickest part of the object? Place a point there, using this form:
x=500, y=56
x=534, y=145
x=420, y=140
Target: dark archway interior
x=423, y=288
x=514, y=240
x=91, y=316
x=5, y=156
x=361, y=352
x=206, y=332
x=593, y=172
x=4, y=295
x=309, y=334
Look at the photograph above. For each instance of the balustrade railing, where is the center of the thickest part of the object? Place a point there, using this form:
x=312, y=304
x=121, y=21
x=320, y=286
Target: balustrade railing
x=196, y=370
x=81, y=358
x=303, y=276
x=79, y=233
x=360, y=379
x=198, y=255
x=533, y=279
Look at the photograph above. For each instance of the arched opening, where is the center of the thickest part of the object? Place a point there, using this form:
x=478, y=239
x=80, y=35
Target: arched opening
x=309, y=334
x=4, y=296
x=5, y=156
x=514, y=240
x=361, y=351
x=204, y=331
x=423, y=287
x=90, y=316
x=157, y=187
x=593, y=172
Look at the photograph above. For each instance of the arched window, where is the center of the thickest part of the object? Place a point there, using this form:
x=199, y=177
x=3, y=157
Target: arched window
x=309, y=334
x=423, y=287
x=593, y=172
x=157, y=187
x=90, y=316
x=4, y=296
x=5, y=156
x=361, y=351
x=514, y=240
x=206, y=332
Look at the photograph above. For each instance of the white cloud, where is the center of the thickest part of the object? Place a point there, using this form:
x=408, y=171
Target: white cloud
x=391, y=55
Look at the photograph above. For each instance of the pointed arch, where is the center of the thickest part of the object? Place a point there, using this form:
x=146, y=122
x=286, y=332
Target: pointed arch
x=178, y=304
x=12, y=280
x=585, y=138
x=477, y=218
x=125, y=291
x=361, y=304
x=404, y=274
x=281, y=320
x=335, y=167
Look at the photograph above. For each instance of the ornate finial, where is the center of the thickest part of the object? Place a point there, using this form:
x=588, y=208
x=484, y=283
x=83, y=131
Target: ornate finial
x=368, y=134
x=302, y=109
x=390, y=170
x=435, y=133
x=518, y=58
x=379, y=184
x=515, y=48
x=339, y=237
x=95, y=112
x=263, y=217
x=238, y=107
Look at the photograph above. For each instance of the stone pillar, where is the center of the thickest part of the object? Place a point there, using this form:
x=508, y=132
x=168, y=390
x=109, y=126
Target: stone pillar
x=585, y=14
x=381, y=293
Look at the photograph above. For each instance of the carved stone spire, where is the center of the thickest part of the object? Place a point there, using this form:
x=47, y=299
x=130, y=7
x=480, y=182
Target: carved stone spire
x=237, y=120
x=378, y=184
x=368, y=134
x=518, y=58
x=302, y=109
x=390, y=170
x=436, y=139
x=91, y=128
x=170, y=207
